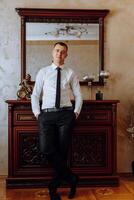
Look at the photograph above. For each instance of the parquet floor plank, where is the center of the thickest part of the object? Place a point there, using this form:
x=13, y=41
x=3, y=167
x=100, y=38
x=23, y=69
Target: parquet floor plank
x=123, y=192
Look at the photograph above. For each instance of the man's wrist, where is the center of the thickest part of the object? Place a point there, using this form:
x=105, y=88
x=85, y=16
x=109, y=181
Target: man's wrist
x=76, y=114
x=37, y=115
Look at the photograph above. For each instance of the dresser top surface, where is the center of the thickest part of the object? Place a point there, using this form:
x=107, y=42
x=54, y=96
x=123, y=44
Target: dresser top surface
x=84, y=101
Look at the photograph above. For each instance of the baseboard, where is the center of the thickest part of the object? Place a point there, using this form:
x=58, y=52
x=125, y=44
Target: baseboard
x=92, y=181
x=125, y=174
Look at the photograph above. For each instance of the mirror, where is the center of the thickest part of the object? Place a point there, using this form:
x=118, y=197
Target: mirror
x=82, y=30
x=82, y=40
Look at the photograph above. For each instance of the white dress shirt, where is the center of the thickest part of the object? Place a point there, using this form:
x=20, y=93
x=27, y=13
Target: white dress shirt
x=45, y=85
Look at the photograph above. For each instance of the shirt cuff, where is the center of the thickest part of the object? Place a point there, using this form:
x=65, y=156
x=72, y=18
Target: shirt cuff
x=36, y=114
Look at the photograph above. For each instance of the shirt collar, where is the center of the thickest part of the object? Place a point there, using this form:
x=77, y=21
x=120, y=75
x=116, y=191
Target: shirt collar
x=54, y=66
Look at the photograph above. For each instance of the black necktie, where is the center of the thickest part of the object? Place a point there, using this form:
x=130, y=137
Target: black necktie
x=57, y=102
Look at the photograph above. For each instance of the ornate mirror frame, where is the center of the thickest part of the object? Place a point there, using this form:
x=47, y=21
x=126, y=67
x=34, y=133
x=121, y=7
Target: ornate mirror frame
x=62, y=16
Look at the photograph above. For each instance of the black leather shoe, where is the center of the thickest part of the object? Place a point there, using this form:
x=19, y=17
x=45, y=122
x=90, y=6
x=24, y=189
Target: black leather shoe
x=73, y=185
x=53, y=191
x=54, y=196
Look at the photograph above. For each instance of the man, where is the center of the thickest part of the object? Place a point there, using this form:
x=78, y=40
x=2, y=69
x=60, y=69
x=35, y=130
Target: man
x=57, y=115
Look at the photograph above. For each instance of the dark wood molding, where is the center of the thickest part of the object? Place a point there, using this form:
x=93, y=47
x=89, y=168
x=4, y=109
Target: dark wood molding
x=65, y=13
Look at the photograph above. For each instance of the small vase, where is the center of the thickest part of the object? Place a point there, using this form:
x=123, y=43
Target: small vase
x=99, y=95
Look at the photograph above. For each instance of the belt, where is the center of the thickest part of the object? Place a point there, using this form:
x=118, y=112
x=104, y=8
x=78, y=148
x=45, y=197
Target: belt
x=57, y=109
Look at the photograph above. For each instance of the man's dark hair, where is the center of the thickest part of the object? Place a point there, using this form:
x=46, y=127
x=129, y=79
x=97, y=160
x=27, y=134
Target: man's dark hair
x=62, y=44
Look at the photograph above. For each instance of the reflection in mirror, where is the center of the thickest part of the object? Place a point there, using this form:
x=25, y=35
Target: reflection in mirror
x=82, y=40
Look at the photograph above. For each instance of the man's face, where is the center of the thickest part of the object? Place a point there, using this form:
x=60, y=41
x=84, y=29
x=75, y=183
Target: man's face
x=59, y=54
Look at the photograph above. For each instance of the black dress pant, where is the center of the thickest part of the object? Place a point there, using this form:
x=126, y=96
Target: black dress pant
x=55, y=132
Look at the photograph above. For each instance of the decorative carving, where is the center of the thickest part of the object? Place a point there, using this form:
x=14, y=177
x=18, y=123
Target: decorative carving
x=89, y=150
x=30, y=154
x=26, y=88
x=60, y=20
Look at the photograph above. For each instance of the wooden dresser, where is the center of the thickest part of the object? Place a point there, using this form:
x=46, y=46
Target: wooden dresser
x=92, y=153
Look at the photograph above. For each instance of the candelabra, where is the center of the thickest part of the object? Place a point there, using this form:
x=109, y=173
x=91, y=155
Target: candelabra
x=89, y=79
x=104, y=75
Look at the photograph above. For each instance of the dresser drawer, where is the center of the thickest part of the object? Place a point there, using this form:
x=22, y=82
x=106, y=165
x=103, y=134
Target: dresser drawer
x=24, y=117
x=95, y=117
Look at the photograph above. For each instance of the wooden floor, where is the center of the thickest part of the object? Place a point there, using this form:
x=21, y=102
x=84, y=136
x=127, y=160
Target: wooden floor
x=124, y=192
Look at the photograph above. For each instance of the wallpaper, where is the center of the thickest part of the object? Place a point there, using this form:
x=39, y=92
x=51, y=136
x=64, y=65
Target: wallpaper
x=119, y=60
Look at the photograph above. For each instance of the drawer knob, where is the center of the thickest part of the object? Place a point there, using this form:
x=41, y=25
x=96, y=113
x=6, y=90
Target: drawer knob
x=88, y=116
